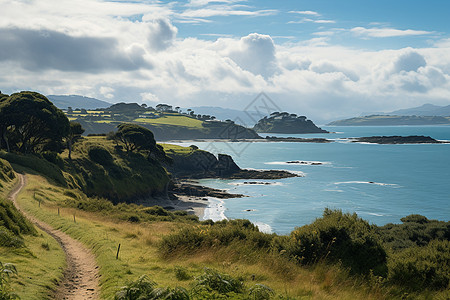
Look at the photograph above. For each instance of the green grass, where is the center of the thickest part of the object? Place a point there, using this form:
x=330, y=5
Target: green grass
x=38, y=268
x=173, y=119
x=179, y=150
x=139, y=254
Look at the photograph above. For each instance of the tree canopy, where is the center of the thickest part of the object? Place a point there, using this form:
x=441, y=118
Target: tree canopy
x=30, y=123
x=137, y=138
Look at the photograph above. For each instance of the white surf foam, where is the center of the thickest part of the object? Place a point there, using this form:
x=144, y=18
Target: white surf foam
x=298, y=163
x=366, y=182
x=215, y=210
x=263, y=227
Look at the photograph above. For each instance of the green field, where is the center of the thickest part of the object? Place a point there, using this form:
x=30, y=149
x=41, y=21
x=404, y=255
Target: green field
x=173, y=119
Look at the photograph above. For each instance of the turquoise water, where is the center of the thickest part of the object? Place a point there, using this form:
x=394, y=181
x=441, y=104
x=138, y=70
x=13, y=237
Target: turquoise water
x=381, y=183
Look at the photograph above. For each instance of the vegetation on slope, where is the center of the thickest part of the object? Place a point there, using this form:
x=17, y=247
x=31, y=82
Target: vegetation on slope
x=36, y=257
x=286, y=123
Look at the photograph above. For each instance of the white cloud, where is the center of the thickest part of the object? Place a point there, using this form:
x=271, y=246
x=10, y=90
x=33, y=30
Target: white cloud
x=386, y=32
x=307, y=20
x=224, y=11
x=207, y=2
x=130, y=52
x=305, y=12
x=255, y=53
x=162, y=34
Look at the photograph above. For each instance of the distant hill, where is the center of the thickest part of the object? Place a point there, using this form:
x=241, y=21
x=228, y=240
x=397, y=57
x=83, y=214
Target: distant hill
x=75, y=101
x=424, y=110
x=386, y=120
x=238, y=116
x=286, y=123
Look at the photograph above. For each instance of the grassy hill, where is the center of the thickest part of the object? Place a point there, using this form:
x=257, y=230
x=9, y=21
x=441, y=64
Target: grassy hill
x=165, y=125
x=99, y=170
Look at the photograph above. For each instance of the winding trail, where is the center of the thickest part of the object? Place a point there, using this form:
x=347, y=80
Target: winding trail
x=80, y=279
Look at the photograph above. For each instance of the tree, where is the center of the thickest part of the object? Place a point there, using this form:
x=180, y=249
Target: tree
x=134, y=137
x=137, y=138
x=75, y=132
x=163, y=107
x=30, y=123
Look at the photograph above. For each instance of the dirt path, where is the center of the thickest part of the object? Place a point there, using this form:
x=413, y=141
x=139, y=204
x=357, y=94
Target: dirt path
x=80, y=279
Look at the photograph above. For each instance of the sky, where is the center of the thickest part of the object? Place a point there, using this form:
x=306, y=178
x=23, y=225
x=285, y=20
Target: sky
x=326, y=59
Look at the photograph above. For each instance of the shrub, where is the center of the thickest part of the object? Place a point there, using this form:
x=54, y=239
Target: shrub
x=421, y=268
x=221, y=283
x=6, y=271
x=416, y=230
x=9, y=239
x=336, y=237
x=139, y=289
x=14, y=221
x=181, y=274
x=260, y=292
x=144, y=288
x=54, y=158
x=100, y=155
x=221, y=233
x=156, y=211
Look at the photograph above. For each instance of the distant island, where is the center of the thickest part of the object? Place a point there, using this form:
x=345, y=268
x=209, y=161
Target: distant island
x=389, y=120
x=283, y=122
x=413, y=139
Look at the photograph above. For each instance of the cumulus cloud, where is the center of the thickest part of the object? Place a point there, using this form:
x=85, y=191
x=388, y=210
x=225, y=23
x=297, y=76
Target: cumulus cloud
x=130, y=51
x=45, y=49
x=409, y=61
x=162, y=34
x=323, y=67
x=255, y=53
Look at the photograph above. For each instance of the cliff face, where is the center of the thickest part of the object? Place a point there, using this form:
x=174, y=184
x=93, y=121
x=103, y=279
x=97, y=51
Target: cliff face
x=287, y=123
x=201, y=164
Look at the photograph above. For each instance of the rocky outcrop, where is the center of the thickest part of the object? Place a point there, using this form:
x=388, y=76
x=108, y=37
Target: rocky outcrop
x=193, y=190
x=203, y=164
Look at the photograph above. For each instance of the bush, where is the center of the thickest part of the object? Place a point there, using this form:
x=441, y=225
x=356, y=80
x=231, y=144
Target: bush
x=221, y=233
x=54, y=158
x=100, y=155
x=6, y=171
x=9, y=239
x=416, y=230
x=336, y=237
x=139, y=289
x=144, y=288
x=221, y=283
x=13, y=220
x=156, y=211
x=181, y=274
x=421, y=268
x=6, y=271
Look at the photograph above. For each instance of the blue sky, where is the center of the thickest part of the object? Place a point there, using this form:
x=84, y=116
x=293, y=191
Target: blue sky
x=326, y=59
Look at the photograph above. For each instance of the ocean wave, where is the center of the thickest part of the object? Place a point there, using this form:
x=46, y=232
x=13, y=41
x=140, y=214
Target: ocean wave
x=215, y=210
x=255, y=183
x=337, y=191
x=263, y=227
x=367, y=182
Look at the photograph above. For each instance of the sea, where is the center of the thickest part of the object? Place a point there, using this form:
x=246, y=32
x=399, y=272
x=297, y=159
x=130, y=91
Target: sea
x=381, y=183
